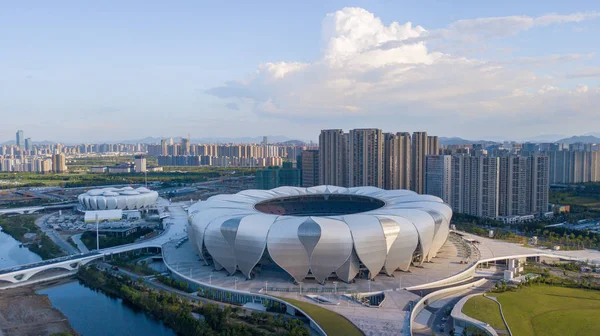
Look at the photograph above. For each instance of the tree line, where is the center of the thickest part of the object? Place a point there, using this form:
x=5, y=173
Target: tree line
x=187, y=317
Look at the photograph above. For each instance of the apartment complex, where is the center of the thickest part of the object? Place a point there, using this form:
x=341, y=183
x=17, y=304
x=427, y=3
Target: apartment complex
x=333, y=156
x=309, y=165
x=369, y=157
x=438, y=176
x=396, y=160
x=365, y=158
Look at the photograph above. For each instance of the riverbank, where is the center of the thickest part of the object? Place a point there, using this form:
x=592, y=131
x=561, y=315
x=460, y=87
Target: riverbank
x=23, y=229
x=190, y=317
x=24, y=312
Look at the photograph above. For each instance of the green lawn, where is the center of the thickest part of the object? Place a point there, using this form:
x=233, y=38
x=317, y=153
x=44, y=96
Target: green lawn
x=485, y=310
x=333, y=323
x=548, y=310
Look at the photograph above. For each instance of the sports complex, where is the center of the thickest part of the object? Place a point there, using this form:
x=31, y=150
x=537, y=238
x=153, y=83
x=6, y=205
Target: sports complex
x=321, y=233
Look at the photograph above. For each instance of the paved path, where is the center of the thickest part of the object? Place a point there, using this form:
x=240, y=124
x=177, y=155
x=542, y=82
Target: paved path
x=55, y=237
x=80, y=245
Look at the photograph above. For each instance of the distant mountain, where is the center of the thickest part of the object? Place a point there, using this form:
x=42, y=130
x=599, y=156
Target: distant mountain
x=544, y=138
x=460, y=141
x=293, y=143
x=580, y=139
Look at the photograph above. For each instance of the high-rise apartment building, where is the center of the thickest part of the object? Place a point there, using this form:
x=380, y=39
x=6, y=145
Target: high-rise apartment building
x=396, y=161
x=515, y=186
x=310, y=168
x=20, y=140
x=475, y=185
x=438, y=177
x=365, y=157
x=164, y=146
x=140, y=164
x=59, y=164
x=185, y=146
x=333, y=157
x=579, y=165
x=419, y=149
x=540, y=183
x=433, y=145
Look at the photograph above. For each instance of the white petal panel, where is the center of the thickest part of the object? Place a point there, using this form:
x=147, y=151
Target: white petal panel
x=251, y=241
x=369, y=241
x=217, y=238
x=401, y=251
x=286, y=249
x=349, y=269
x=333, y=248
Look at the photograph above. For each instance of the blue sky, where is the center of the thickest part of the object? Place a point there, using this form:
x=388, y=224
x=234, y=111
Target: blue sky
x=83, y=71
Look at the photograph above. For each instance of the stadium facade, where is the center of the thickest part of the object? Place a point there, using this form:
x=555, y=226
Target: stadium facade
x=319, y=232
x=118, y=198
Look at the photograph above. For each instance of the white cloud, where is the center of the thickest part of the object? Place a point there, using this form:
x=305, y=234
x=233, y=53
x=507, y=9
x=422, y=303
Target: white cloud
x=377, y=73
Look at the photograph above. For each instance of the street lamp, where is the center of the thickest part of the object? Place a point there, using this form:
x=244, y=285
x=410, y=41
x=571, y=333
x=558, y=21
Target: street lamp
x=335, y=290
x=266, y=287
x=300, y=283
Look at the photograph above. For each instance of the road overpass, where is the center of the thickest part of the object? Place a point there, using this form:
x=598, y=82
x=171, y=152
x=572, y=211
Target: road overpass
x=34, y=209
x=175, y=229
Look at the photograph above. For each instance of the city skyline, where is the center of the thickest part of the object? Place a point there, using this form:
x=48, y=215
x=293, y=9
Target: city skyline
x=185, y=69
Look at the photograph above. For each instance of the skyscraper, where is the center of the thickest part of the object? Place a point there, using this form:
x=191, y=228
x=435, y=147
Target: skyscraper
x=433, y=145
x=28, y=144
x=333, y=157
x=59, y=163
x=140, y=164
x=438, y=177
x=20, y=140
x=540, y=183
x=417, y=170
x=365, y=157
x=396, y=161
x=164, y=147
x=475, y=185
x=310, y=168
x=515, y=177
x=185, y=146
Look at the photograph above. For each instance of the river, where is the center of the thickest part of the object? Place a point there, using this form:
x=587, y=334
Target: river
x=11, y=254
x=90, y=313
x=93, y=313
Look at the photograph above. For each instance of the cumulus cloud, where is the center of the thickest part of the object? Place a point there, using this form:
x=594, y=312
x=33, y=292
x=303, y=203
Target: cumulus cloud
x=389, y=73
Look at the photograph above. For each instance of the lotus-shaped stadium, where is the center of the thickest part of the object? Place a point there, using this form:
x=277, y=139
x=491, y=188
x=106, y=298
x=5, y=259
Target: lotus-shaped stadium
x=118, y=198
x=319, y=232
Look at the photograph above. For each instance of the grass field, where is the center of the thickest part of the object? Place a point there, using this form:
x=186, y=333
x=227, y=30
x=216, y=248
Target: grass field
x=549, y=310
x=485, y=310
x=331, y=322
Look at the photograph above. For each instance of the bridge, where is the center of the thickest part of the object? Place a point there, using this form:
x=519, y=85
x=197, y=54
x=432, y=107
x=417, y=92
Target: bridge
x=34, y=209
x=48, y=269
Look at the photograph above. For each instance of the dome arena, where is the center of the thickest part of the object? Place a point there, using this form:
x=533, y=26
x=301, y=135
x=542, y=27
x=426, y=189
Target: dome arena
x=118, y=198
x=320, y=233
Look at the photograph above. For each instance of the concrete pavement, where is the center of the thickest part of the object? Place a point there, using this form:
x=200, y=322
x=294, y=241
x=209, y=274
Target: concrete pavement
x=80, y=245
x=55, y=237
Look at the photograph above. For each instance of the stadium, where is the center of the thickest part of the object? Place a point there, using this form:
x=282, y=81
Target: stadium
x=118, y=198
x=321, y=233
